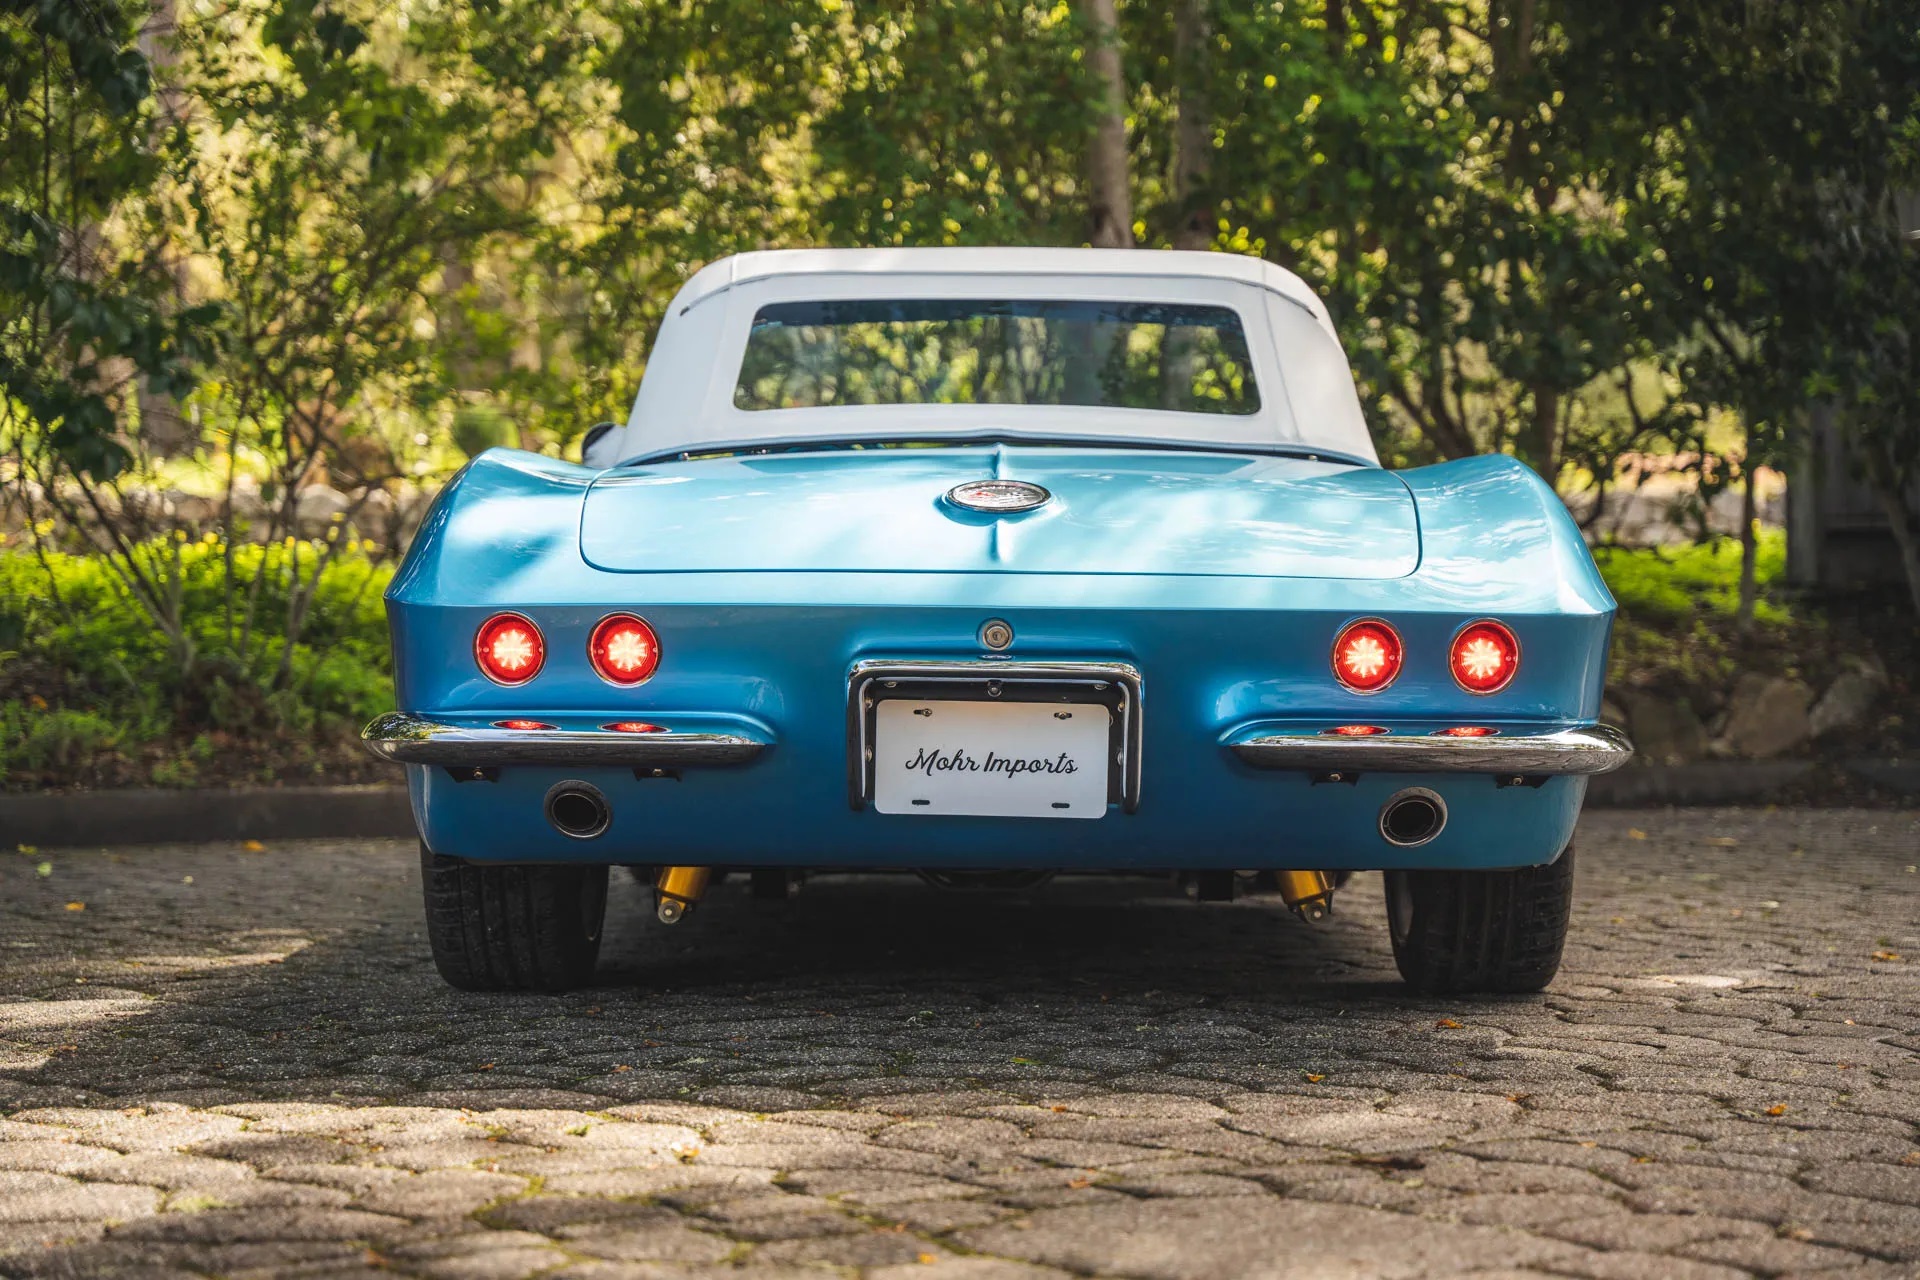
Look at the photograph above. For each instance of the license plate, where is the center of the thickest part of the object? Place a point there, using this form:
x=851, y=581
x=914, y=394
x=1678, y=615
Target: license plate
x=991, y=759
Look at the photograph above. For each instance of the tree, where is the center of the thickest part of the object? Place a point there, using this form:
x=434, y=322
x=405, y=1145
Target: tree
x=1765, y=147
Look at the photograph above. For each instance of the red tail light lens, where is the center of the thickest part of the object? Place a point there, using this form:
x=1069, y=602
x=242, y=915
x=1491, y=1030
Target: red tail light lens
x=509, y=649
x=1352, y=731
x=521, y=724
x=1484, y=658
x=624, y=649
x=632, y=726
x=1467, y=731
x=1367, y=656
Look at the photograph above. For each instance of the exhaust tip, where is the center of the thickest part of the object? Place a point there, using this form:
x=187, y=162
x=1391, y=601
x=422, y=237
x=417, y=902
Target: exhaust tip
x=1412, y=817
x=578, y=810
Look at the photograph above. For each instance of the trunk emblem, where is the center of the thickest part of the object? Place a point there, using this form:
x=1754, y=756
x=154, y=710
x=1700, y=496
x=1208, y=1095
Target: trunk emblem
x=1000, y=497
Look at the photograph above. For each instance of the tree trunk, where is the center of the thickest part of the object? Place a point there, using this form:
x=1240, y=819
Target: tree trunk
x=1192, y=166
x=1749, y=548
x=1539, y=436
x=1900, y=524
x=164, y=429
x=1110, y=200
x=1193, y=127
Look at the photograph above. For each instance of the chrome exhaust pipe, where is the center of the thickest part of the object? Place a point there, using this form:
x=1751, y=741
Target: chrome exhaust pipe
x=578, y=809
x=1412, y=817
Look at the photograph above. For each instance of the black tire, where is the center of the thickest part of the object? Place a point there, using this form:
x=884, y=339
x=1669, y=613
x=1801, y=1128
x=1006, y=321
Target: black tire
x=513, y=928
x=1490, y=931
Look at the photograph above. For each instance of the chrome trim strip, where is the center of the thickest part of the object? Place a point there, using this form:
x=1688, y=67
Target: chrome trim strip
x=1010, y=671
x=408, y=739
x=1591, y=749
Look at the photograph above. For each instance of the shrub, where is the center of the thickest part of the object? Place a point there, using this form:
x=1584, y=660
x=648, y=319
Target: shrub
x=86, y=677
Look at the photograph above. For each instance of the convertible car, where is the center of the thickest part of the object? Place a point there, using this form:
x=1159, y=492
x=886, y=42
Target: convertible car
x=991, y=563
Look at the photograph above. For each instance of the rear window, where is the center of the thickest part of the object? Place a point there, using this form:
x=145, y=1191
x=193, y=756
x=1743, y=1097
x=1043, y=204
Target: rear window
x=1116, y=355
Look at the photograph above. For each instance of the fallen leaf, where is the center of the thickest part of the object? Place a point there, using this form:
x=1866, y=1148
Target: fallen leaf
x=1888, y=956
x=1722, y=842
x=76, y=906
x=1314, y=1079
x=1518, y=1097
x=1777, y=1109
x=1643, y=1159
x=1079, y=1184
x=1025, y=1062
x=43, y=870
x=928, y=1258
x=254, y=846
x=486, y=1066
x=1911, y=1158
x=622, y=1067
x=1797, y=1233
x=28, y=849
x=186, y=879
x=1447, y=1024
x=1635, y=833
x=1057, y=1107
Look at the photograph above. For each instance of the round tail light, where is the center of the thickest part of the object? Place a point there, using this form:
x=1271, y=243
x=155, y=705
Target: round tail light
x=1367, y=656
x=509, y=649
x=624, y=649
x=1484, y=658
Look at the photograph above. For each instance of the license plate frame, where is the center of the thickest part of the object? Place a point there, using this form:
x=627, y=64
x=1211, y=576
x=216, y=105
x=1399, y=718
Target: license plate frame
x=1114, y=685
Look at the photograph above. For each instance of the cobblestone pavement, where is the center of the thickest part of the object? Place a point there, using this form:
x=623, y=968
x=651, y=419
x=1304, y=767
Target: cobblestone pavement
x=242, y=1063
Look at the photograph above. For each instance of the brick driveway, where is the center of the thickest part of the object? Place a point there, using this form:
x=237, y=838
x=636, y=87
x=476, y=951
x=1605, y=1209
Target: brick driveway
x=241, y=1063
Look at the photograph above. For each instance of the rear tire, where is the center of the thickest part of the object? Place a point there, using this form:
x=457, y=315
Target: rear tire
x=1486, y=931
x=513, y=928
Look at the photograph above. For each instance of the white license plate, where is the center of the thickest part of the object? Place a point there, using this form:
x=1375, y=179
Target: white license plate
x=991, y=759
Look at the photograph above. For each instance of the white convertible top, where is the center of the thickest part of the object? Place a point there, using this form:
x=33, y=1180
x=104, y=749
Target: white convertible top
x=686, y=397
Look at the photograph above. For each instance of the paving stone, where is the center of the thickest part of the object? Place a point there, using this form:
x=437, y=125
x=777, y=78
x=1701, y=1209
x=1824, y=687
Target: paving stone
x=1209, y=1238
x=1082, y=1079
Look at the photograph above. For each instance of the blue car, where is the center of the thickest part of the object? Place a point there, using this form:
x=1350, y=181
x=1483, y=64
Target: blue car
x=990, y=564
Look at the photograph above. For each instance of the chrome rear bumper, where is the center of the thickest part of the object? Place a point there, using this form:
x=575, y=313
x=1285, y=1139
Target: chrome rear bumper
x=1587, y=750
x=406, y=739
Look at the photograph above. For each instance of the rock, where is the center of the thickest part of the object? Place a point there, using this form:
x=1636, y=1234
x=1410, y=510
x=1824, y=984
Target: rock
x=414, y=501
x=1767, y=716
x=1850, y=702
x=1665, y=730
x=315, y=510
x=375, y=519
x=196, y=514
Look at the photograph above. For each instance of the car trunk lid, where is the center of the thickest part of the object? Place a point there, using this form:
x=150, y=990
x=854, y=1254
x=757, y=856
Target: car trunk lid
x=1113, y=511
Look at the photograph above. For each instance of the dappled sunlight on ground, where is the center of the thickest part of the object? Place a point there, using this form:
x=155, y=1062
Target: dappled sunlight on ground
x=244, y=1063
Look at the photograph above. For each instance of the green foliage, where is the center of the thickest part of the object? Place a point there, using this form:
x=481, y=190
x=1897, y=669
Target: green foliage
x=86, y=674
x=1675, y=585
x=57, y=738
x=480, y=427
x=79, y=313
